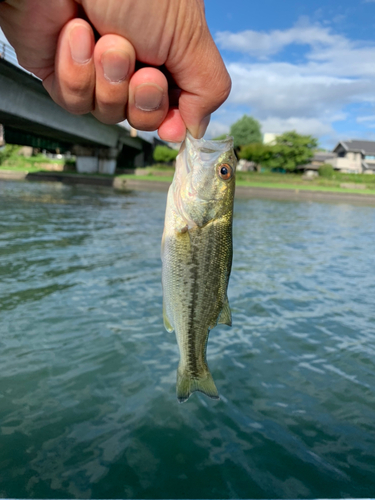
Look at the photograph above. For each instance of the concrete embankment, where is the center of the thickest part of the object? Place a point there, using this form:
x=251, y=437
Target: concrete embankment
x=124, y=184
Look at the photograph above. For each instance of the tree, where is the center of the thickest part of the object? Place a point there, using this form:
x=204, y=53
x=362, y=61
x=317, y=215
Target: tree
x=257, y=152
x=246, y=131
x=164, y=154
x=292, y=149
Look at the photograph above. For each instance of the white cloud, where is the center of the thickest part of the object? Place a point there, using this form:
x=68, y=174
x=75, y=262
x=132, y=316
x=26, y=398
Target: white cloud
x=217, y=128
x=285, y=90
x=366, y=118
x=310, y=95
x=262, y=44
x=308, y=126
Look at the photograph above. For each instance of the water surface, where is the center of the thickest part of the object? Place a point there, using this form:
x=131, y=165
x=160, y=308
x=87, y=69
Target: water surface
x=87, y=372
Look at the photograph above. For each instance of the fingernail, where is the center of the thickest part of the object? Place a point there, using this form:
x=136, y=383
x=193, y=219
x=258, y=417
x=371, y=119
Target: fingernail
x=81, y=44
x=148, y=97
x=115, y=65
x=199, y=130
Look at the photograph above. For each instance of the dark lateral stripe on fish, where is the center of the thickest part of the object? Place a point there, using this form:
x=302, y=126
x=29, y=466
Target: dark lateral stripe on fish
x=192, y=361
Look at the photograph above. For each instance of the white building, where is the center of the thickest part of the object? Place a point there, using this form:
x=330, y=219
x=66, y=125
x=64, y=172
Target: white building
x=354, y=157
x=269, y=138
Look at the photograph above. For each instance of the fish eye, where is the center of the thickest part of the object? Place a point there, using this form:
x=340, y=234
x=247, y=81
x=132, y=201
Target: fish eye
x=225, y=171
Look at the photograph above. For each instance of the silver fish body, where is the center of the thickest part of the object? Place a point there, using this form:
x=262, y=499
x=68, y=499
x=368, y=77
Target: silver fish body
x=197, y=255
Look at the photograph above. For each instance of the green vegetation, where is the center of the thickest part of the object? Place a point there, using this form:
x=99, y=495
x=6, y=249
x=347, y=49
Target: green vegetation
x=296, y=181
x=245, y=131
x=10, y=158
x=289, y=151
x=293, y=149
x=273, y=179
x=8, y=152
x=300, y=149
x=164, y=154
x=326, y=170
x=257, y=152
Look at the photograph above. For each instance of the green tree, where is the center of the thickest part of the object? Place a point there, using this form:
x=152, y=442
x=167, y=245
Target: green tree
x=257, y=152
x=246, y=131
x=164, y=154
x=292, y=149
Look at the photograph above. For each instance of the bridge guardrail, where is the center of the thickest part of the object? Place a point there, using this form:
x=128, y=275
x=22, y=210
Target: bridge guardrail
x=8, y=53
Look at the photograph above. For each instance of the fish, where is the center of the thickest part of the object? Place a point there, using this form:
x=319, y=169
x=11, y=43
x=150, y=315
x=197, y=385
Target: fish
x=196, y=255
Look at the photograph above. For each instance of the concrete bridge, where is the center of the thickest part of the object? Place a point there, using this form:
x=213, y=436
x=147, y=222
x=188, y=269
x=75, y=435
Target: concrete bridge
x=31, y=118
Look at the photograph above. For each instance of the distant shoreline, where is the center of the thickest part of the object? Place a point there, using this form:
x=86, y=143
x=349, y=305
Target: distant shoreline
x=132, y=182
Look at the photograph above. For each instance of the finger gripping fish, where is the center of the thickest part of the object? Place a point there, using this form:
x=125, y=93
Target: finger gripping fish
x=197, y=255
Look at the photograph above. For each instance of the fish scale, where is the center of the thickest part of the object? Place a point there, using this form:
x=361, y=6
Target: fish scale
x=197, y=256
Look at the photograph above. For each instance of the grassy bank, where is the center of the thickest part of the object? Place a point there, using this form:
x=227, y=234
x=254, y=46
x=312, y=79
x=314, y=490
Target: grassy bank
x=247, y=179
x=11, y=159
x=278, y=181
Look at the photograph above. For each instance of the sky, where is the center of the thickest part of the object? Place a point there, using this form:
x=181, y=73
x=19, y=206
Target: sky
x=305, y=66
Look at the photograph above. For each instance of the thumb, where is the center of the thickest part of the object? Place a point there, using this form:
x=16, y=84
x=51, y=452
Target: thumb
x=202, y=77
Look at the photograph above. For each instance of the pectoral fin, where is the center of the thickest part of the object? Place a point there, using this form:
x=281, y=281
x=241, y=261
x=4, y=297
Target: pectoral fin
x=167, y=323
x=225, y=317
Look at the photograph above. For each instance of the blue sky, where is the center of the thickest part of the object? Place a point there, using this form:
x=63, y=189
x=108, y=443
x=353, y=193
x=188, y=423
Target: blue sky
x=307, y=66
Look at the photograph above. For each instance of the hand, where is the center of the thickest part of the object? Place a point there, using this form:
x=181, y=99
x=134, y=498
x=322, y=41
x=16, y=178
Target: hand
x=54, y=42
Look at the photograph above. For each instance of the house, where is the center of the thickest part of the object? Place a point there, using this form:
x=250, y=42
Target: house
x=354, y=157
x=319, y=159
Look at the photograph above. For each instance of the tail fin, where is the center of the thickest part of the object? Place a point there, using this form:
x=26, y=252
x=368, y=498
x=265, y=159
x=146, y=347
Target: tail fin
x=186, y=385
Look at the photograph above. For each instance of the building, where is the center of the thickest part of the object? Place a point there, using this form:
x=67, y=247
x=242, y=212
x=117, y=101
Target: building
x=270, y=138
x=320, y=158
x=354, y=157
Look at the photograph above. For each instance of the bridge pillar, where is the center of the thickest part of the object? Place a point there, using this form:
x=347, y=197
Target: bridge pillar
x=95, y=160
x=107, y=160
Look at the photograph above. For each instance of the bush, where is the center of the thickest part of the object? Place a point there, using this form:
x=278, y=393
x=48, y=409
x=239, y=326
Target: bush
x=8, y=151
x=164, y=154
x=326, y=170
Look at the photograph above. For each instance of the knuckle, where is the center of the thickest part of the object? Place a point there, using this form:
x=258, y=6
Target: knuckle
x=224, y=87
x=77, y=106
x=79, y=87
x=108, y=119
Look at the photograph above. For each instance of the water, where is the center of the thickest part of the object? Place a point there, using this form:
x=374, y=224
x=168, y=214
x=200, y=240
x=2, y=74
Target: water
x=87, y=372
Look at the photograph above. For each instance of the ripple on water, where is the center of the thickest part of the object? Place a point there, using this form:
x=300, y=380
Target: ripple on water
x=87, y=380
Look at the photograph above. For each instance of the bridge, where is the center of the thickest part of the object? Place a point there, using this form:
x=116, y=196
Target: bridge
x=30, y=117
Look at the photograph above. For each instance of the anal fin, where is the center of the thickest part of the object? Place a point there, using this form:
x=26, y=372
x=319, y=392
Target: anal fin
x=225, y=317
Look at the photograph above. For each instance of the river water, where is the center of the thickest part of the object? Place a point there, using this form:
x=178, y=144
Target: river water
x=87, y=372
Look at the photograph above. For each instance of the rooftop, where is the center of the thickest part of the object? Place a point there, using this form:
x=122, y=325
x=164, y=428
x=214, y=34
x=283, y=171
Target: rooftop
x=365, y=147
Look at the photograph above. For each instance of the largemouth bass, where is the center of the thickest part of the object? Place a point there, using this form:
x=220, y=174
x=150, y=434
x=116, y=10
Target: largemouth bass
x=197, y=255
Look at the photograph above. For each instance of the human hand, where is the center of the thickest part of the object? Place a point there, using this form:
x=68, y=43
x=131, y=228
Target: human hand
x=82, y=76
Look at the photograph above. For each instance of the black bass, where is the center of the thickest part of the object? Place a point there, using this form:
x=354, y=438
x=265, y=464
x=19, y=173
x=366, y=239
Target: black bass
x=197, y=255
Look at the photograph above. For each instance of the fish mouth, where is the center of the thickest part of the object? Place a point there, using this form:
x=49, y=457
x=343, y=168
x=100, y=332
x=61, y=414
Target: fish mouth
x=210, y=146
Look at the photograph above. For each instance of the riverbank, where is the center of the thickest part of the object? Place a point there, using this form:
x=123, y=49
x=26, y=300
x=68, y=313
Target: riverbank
x=244, y=189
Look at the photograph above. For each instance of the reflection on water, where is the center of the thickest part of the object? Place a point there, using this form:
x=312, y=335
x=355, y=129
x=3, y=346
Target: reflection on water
x=87, y=378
